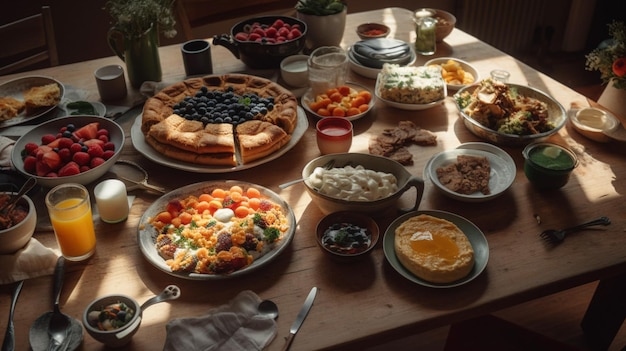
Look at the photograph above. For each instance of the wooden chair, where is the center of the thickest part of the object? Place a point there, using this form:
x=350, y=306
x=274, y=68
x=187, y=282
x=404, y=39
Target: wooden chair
x=27, y=42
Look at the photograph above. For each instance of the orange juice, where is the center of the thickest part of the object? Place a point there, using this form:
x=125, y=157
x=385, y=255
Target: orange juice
x=73, y=225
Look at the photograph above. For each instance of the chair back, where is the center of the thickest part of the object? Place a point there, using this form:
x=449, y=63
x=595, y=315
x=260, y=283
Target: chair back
x=27, y=42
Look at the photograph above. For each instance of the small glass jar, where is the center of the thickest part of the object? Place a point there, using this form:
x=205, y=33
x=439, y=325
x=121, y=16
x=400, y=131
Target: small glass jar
x=425, y=40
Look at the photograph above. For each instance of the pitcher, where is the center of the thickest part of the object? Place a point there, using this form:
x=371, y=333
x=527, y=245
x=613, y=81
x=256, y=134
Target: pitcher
x=140, y=53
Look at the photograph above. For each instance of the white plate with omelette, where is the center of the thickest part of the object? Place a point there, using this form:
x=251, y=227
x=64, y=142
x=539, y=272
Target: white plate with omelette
x=475, y=236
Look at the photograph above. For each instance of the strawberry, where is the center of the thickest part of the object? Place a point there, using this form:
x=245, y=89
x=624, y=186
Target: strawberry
x=81, y=158
x=52, y=160
x=41, y=169
x=241, y=36
x=108, y=146
x=71, y=168
x=271, y=32
x=30, y=163
x=96, y=161
x=278, y=23
x=84, y=168
x=90, y=131
x=102, y=131
x=94, y=141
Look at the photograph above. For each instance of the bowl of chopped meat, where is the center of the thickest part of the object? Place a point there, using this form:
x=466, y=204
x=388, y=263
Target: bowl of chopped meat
x=509, y=114
x=16, y=225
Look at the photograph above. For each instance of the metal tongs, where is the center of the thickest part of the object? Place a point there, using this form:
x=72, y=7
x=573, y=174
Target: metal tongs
x=142, y=184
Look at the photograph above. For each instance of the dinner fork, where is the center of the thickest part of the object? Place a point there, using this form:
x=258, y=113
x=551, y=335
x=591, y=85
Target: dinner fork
x=553, y=236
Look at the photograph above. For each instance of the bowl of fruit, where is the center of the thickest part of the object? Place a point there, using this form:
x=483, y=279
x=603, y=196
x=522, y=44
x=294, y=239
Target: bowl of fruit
x=263, y=42
x=72, y=149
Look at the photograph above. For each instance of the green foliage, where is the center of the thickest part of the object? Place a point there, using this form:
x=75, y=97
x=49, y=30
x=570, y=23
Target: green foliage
x=320, y=7
x=135, y=17
x=607, y=53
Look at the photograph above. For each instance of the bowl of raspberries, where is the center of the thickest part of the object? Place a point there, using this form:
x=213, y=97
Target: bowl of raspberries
x=72, y=149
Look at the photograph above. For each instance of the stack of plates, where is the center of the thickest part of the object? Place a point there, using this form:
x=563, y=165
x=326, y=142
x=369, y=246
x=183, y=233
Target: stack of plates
x=367, y=57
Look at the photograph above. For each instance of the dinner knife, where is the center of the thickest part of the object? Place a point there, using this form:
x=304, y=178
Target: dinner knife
x=308, y=303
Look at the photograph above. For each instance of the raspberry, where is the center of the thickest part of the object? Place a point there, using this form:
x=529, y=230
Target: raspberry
x=30, y=148
x=108, y=154
x=65, y=154
x=108, y=146
x=81, y=158
x=65, y=143
x=95, y=151
x=71, y=168
x=76, y=147
x=96, y=161
x=47, y=139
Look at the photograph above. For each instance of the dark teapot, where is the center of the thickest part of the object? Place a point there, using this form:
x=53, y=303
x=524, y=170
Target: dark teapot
x=262, y=54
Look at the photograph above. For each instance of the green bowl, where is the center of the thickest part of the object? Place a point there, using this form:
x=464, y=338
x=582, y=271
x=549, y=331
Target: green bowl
x=548, y=166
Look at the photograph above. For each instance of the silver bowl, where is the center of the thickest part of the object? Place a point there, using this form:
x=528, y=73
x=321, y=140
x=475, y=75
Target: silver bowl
x=556, y=115
x=328, y=204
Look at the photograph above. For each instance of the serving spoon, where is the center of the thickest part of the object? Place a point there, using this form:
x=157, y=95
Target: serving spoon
x=171, y=292
x=29, y=184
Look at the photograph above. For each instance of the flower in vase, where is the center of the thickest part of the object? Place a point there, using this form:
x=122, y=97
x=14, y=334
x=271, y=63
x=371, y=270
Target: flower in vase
x=610, y=56
x=134, y=17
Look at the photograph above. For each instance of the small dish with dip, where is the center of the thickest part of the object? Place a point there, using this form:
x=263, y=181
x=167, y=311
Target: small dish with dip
x=548, y=166
x=594, y=123
x=347, y=236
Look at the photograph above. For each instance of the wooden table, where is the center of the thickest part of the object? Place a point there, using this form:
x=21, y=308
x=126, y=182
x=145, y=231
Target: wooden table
x=368, y=303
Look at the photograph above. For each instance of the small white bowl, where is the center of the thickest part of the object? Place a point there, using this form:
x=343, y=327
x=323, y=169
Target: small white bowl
x=118, y=337
x=466, y=66
x=294, y=70
x=16, y=237
x=594, y=123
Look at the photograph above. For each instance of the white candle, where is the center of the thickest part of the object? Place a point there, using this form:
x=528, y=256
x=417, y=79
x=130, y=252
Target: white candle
x=111, y=200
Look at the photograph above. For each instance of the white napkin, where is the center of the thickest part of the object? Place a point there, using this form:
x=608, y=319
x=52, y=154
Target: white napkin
x=6, y=146
x=235, y=326
x=32, y=261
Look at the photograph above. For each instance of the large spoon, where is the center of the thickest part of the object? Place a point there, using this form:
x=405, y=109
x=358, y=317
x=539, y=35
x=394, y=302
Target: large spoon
x=9, y=336
x=171, y=292
x=268, y=308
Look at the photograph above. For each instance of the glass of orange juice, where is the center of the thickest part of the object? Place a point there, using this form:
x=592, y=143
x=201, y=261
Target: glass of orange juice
x=69, y=208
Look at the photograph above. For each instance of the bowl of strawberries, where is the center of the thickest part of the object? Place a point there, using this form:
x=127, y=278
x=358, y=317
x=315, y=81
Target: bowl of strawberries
x=72, y=149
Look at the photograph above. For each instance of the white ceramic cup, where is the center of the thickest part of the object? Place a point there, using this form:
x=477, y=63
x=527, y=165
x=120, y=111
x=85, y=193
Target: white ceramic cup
x=111, y=200
x=294, y=70
x=111, y=82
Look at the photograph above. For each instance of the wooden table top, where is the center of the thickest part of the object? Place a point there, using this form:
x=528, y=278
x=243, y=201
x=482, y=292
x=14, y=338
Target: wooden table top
x=368, y=302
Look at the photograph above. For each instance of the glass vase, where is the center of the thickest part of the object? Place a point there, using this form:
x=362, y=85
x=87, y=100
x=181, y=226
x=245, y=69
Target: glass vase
x=139, y=52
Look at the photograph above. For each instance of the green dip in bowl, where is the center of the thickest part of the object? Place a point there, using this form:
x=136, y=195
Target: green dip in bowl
x=548, y=166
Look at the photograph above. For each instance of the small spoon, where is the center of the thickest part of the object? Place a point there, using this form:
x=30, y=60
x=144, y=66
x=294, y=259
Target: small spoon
x=29, y=184
x=171, y=292
x=268, y=308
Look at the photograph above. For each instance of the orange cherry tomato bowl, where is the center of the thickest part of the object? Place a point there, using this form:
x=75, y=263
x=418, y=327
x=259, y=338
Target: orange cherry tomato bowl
x=351, y=100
